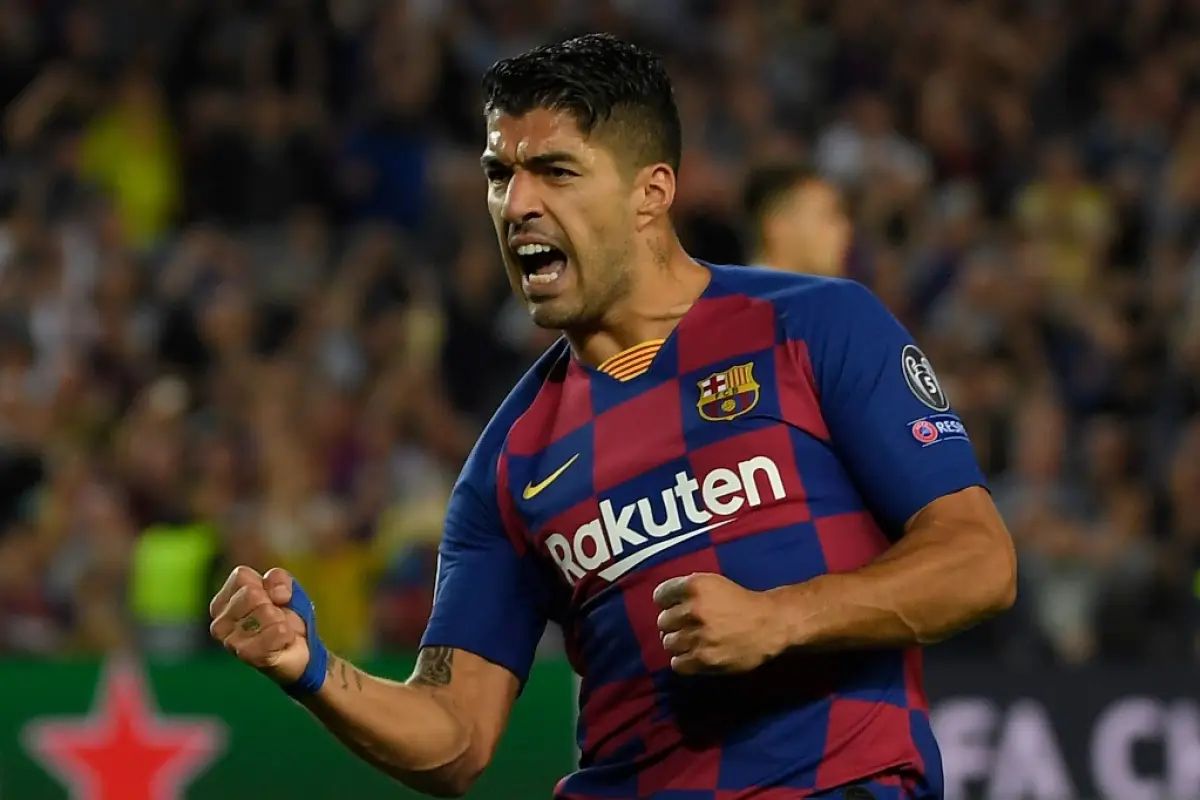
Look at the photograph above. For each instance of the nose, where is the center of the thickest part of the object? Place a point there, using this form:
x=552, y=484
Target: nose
x=522, y=201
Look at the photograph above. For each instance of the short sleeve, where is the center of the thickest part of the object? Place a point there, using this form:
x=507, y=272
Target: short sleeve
x=490, y=599
x=889, y=420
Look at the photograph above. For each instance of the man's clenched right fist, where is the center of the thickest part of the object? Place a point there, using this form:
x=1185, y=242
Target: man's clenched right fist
x=250, y=619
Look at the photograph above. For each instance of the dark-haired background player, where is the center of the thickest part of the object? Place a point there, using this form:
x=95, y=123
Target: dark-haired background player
x=742, y=493
x=798, y=220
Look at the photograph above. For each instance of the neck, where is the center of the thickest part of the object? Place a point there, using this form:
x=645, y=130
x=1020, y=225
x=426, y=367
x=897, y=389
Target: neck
x=661, y=292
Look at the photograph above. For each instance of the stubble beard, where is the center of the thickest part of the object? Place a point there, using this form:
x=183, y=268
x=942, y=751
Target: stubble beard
x=593, y=299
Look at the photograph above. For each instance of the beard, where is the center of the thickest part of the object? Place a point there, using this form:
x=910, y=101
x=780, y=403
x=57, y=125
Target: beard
x=589, y=302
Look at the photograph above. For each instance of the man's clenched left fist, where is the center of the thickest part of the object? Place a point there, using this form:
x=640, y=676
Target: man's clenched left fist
x=709, y=624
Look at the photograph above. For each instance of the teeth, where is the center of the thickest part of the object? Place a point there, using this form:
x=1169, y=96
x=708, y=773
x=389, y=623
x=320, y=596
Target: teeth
x=545, y=277
x=533, y=249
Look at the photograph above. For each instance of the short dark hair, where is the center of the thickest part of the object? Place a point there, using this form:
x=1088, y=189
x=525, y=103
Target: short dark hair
x=769, y=184
x=602, y=81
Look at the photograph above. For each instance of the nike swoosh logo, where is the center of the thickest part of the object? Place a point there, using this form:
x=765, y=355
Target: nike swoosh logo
x=532, y=490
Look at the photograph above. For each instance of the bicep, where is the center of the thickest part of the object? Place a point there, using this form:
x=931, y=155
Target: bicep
x=890, y=421
x=967, y=524
x=489, y=600
x=966, y=517
x=479, y=693
x=971, y=507
x=490, y=596
x=972, y=513
x=489, y=612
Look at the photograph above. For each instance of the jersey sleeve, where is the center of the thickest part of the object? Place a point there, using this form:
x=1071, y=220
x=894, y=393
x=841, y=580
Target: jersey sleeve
x=489, y=599
x=889, y=419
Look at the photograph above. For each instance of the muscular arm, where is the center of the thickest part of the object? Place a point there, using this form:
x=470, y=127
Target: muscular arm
x=954, y=567
x=436, y=732
x=907, y=453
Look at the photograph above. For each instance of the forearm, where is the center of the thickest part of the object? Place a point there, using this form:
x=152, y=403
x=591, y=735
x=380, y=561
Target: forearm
x=921, y=591
x=405, y=730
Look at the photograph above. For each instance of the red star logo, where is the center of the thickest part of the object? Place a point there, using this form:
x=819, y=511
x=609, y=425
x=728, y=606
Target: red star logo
x=124, y=749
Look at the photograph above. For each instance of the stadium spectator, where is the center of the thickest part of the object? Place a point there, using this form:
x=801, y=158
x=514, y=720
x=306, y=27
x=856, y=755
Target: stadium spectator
x=236, y=313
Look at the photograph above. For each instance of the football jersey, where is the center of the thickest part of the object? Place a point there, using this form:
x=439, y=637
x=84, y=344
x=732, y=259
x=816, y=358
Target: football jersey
x=788, y=427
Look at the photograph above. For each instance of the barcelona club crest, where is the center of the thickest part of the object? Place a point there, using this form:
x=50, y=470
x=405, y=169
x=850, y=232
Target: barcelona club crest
x=729, y=394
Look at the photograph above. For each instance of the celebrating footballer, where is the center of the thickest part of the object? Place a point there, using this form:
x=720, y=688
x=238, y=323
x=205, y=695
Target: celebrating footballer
x=741, y=492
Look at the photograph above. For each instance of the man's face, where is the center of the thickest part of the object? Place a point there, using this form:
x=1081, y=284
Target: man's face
x=812, y=230
x=563, y=213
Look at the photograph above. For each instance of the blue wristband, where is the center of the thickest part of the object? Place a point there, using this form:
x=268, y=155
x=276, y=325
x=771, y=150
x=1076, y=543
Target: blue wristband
x=318, y=657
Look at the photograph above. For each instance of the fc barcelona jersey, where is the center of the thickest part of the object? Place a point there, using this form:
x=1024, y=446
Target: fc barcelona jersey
x=787, y=428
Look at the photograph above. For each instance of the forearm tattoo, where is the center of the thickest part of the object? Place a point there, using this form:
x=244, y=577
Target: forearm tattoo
x=434, y=666
x=338, y=669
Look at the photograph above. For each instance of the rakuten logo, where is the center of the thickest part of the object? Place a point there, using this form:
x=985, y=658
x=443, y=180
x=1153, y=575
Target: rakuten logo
x=621, y=538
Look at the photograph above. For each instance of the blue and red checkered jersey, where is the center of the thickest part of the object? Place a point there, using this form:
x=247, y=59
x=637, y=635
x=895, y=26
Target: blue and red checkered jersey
x=787, y=428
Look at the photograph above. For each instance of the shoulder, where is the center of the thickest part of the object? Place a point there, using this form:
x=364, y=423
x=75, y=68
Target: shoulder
x=799, y=299
x=550, y=366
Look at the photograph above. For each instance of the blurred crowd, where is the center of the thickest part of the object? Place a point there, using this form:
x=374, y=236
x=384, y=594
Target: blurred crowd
x=252, y=310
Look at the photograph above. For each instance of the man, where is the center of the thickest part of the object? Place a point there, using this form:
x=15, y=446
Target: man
x=699, y=482
x=798, y=221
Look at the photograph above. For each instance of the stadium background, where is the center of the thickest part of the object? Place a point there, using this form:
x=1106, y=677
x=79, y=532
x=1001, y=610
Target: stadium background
x=251, y=311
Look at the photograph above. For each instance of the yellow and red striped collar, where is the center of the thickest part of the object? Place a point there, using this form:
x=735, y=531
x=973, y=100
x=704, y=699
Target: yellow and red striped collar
x=632, y=362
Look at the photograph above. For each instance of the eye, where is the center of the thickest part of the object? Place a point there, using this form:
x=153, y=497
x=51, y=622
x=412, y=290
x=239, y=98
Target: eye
x=561, y=173
x=497, y=176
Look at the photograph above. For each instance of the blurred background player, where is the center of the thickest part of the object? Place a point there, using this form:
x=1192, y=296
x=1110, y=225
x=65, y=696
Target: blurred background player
x=797, y=221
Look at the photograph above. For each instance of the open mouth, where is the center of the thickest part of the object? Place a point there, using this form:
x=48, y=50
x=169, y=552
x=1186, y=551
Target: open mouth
x=542, y=264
